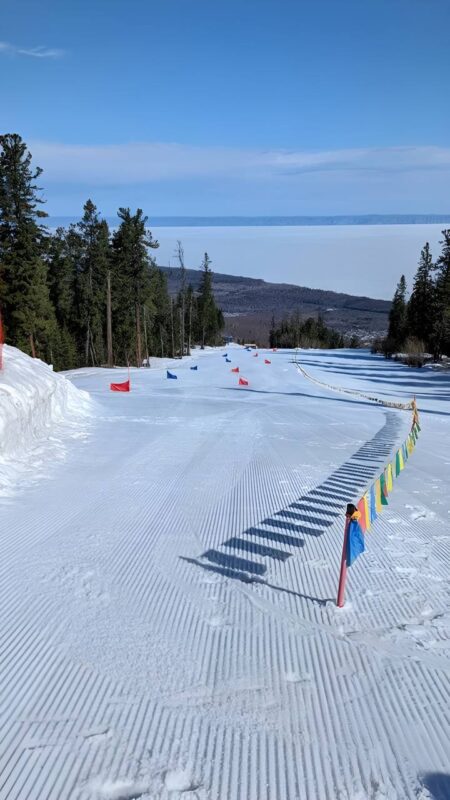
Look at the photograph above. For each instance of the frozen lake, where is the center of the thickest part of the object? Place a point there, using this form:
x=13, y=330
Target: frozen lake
x=358, y=259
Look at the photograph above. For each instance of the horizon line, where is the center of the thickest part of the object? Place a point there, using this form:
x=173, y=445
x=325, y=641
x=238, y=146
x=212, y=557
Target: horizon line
x=274, y=220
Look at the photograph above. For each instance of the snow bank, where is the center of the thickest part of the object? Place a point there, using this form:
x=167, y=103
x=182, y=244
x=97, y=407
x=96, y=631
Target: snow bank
x=34, y=403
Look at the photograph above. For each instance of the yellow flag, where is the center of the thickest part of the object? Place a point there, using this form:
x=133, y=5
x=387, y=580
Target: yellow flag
x=378, y=505
x=389, y=481
x=366, y=507
x=402, y=463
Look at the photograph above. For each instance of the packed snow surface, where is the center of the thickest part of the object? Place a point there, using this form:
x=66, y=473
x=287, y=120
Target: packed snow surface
x=39, y=411
x=168, y=623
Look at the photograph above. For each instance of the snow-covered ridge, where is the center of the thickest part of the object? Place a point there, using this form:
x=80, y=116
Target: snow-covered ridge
x=34, y=402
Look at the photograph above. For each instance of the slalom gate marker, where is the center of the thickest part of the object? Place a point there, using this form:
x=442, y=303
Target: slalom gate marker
x=243, y=382
x=2, y=341
x=125, y=386
x=224, y=355
x=266, y=361
x=228, y=360
x=255, y=355
x=360, y=517
x=235, y=369
x=172, y=376
x=196, y=367
x=120, y=387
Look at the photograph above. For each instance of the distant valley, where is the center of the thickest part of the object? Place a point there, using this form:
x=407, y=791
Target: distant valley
x=249, y=304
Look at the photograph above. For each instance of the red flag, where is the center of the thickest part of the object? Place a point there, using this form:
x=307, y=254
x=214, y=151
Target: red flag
x=235, y=369
x=243, y=382
x=255, y=355
x=266, y=361
x=120, y=387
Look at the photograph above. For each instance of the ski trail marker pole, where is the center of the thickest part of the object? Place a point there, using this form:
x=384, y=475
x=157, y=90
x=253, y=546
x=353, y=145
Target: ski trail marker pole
x=343, y=573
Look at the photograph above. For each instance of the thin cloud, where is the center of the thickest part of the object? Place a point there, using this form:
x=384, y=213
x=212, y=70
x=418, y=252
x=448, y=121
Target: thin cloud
x=33, y=52
x=139, y=163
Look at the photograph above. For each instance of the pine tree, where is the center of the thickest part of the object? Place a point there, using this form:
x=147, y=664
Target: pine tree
x=24, y=296
x=209, y=317
x=109, y=335
x=130, y=282
x=293, y=333
x=421, y=305
x=397, y=330
x=92, y=283
x=158, y=305
x=272, y=332
x=191, y=307
x=61, y=279
x=179, y=252
x=441, y=334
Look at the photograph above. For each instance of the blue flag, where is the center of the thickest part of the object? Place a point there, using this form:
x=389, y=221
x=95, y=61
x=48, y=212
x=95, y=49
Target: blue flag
x=355, y=541
x=373, y=505
x=224, y=355
x=196, y=367
x=171, y=375
x=228, y=360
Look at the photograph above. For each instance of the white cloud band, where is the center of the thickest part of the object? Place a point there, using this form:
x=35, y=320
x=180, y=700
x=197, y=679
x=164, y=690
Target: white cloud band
x=139, y=163
x=32, y=52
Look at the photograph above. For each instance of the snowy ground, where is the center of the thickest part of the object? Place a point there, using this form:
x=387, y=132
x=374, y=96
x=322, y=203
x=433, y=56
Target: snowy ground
x=168, y=622
x=40, y=412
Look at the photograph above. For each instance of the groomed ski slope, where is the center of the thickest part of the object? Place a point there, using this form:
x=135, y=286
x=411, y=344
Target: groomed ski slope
x=168, y=622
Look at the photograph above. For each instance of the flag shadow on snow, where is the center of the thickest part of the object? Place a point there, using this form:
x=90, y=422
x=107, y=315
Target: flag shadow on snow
x=277, y=537
x=228, y=572
x=438, y=783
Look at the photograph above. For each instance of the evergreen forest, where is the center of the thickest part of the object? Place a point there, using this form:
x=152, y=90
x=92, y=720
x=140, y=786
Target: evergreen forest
x=420, y=324
x=87, y=295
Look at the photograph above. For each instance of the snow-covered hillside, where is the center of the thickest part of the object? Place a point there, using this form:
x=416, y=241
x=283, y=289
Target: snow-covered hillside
x=168, y=620
x=39, y=409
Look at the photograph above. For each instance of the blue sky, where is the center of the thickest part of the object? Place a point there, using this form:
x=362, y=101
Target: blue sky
x=251, y=107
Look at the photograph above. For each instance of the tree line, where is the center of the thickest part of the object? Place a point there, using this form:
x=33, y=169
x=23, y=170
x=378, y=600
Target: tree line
x=421, y=324
x=294, y=332
x=87, y=295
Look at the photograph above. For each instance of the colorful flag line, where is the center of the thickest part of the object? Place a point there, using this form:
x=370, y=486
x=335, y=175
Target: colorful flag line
x=360, y=518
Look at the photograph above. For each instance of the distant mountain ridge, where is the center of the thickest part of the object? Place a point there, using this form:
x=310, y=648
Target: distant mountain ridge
x=249, y=304
x=270, y=221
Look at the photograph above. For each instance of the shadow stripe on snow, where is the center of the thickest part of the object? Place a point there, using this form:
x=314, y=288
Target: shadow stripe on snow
x=339, y=488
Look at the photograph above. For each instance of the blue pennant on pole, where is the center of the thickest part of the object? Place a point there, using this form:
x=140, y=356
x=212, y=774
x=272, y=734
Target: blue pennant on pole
x=196, y=367
x=355, y=541
x=171, y=375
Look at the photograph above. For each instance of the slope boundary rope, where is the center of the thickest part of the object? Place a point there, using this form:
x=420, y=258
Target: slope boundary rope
x=387, y=403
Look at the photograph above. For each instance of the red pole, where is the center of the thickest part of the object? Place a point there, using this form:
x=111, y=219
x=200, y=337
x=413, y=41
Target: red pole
x=343, y=573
